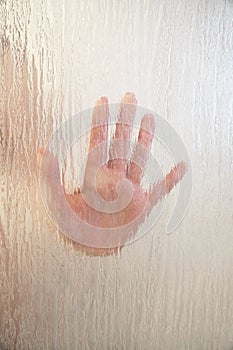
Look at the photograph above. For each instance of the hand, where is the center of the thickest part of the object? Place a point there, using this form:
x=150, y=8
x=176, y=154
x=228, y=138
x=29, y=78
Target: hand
x=117, y=169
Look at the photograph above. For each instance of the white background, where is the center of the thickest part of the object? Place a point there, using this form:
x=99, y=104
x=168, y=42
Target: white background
x=162, y=292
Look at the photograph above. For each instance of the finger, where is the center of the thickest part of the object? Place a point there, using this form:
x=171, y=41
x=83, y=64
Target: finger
x=49, y=169
x=141, y=154
x=99, y=127
x=166, y=185
x=123, y=132
x=99, y=134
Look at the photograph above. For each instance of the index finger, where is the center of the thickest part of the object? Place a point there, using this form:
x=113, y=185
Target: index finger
x=99, y=134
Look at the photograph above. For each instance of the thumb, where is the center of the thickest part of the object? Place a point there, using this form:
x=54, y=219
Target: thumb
x=162, y=188
x=48, y=167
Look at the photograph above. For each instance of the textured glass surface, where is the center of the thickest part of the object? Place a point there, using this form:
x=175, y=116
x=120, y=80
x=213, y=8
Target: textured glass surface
x=163, y=291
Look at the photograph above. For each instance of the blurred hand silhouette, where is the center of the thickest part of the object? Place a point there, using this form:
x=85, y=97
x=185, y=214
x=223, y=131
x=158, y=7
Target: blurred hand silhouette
x=114, y=169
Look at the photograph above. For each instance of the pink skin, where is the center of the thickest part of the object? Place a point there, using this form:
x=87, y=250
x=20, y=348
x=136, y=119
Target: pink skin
x=117, y=169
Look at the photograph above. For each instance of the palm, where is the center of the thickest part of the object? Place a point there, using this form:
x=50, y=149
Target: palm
x=106, y=182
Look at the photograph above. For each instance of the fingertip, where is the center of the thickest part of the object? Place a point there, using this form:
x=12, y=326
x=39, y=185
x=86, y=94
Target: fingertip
x=182, y=168
x=148, y=123
x=100, y=112
x=175, y=175
x=129, y=98
x=102, y=100
x=44, y=153
x=41, y=150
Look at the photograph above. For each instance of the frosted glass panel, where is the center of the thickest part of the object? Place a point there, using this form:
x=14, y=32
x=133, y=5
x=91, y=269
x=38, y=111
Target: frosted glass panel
x=162, y=291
